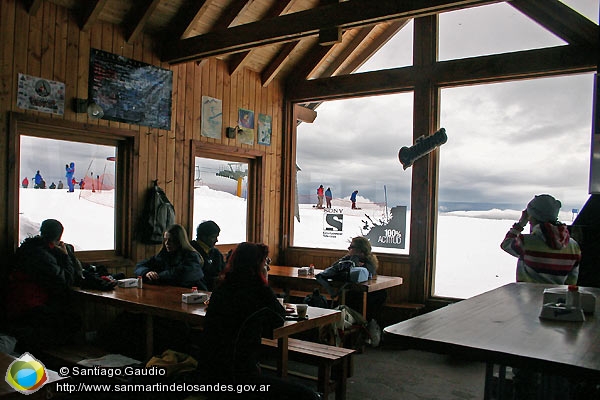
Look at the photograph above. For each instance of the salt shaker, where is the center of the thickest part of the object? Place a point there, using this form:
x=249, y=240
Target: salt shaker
x=194, y=289
x=311, y=269
x=140, y=283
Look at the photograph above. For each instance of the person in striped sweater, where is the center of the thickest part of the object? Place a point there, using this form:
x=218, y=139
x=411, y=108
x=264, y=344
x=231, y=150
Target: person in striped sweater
x=547, y=254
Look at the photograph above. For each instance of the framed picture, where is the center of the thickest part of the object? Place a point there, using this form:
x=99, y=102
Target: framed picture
x=264, y=129
x=246, y=123
x=212, y=117
x=130, y=91
x=41, y=94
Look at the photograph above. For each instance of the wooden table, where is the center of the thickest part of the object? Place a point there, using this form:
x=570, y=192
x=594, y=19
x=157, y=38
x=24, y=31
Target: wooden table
x=502, y=327
x=152, y=301
x=317, y=317
x=165, y=301
x=45, y=392
x=287, y=277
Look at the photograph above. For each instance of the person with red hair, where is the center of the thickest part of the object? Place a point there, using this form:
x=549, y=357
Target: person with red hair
x=241, y=310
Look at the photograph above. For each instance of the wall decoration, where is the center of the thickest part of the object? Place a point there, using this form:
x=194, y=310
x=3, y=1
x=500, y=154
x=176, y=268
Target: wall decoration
x=41, y=94
x=264, y=129
x=212, y=117
x=130, y=91
x=246, y=123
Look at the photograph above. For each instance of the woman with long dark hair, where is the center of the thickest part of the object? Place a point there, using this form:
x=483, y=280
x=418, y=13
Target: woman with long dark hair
x=242, y=309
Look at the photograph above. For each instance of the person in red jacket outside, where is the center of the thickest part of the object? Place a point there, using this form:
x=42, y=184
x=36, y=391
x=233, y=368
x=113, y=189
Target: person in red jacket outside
x=25, y=183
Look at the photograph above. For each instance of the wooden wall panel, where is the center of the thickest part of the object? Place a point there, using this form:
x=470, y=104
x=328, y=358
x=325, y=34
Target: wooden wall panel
x=165, y=155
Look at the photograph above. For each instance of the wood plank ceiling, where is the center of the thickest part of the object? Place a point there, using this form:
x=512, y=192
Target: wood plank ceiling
x=290, y=39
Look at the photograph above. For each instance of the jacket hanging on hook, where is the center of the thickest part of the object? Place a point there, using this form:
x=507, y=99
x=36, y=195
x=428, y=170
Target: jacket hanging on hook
x=159, y=214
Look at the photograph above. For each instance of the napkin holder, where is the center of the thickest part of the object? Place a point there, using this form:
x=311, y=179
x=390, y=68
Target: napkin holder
x=303, y=271
x=194, y=298
x=559, y=296
x=128, y=283
x=560, y=312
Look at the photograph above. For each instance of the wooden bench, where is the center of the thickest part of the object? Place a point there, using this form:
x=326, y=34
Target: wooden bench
x=335, y=364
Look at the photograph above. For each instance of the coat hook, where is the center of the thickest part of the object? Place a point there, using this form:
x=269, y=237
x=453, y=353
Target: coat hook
x=161, y=135
x=149, y=133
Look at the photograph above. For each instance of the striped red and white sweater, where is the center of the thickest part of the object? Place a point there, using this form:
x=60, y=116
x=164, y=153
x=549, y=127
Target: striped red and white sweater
x=546, y=255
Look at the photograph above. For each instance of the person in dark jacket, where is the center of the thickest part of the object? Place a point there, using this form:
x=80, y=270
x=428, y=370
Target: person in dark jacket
x=177, y=263
x=39, y=296
x=207, y=236
x=242, y=308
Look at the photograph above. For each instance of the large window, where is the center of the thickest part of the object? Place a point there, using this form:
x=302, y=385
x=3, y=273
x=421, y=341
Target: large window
x=353, y=146
x=227, y=191
x=72, y=182
x=77, y=174
x=221, y=194
x=506, y=143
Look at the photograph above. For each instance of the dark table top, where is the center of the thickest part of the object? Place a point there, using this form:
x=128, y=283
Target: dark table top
x=503, y=326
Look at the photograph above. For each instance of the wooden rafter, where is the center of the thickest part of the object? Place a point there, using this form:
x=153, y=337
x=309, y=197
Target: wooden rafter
x=277, y=63
x=366, y=53
x=294, y=26
x=559, y=19
x=182, y=22
x=91, y=13
x=230, y=14
x=139, y=18
x=348, y=50
x=238, y=59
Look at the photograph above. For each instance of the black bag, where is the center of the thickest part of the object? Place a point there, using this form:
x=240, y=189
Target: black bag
x=97, y=277
x=316, y=299
x=159, y=214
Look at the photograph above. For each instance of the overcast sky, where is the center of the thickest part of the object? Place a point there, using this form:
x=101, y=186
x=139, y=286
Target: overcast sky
x=506, y=142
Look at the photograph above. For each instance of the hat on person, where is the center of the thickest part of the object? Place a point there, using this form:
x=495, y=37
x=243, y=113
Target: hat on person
x=207, y=228
x=51, y=229
x=544, y=208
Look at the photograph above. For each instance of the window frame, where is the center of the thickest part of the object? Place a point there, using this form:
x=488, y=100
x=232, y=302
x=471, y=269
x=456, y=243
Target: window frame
x=124, y=140
x=256, y=182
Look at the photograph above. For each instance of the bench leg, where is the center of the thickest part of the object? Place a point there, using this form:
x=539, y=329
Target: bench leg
x=323, y=384
x=341, y=378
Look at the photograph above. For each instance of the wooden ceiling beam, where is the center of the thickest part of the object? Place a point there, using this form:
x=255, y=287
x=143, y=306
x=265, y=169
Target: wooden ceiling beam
x=294, y=26
x=238, y=59
x=276, y=64
x=139, y=19
x=366, y=53
x=91, y=14
x=185, y=17
x=346, y=52
x=559, y=19
x=485, y=69
x=231, y=12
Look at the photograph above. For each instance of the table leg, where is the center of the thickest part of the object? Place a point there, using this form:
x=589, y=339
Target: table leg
x=282, y=360
x=364, y=305
x=149, y=336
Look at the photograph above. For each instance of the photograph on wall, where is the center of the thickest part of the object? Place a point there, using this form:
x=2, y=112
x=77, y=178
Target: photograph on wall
x=41, y=94
x=246, y=123
x=130, y=91
x=264, y=129
x=212, y=117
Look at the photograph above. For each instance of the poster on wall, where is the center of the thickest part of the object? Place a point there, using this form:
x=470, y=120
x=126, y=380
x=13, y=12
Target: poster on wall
x=41, y=94
x=212, y=117
x=246, y=123
x=264, y=129
x=130, y=91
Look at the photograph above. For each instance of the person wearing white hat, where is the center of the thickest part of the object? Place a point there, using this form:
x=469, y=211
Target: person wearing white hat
x=547, y=254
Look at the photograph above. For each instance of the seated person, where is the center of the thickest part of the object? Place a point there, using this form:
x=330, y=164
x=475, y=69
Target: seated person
x=360, y=252
x=242, y=308
x=177, y=263
x=207, y=235
x=39, y=300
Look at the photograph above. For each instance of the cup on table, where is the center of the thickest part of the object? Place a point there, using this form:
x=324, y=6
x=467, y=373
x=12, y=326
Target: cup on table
x=301, y=310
